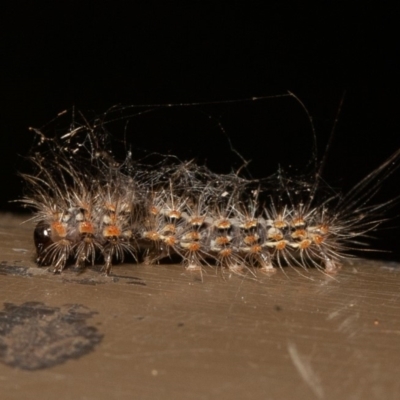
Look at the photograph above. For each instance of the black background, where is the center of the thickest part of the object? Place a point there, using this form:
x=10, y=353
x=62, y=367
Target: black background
x=92, y=55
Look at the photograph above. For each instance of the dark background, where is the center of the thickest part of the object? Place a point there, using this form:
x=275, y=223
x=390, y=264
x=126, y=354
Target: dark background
x=56, y=55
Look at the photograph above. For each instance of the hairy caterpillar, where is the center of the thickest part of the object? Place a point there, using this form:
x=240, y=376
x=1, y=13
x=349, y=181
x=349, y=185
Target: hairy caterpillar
x=92, y=206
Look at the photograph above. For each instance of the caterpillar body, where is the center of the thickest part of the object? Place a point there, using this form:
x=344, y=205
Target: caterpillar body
x=91, y=207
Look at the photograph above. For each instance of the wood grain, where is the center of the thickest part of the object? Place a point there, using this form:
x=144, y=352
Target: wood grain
x=165, y=334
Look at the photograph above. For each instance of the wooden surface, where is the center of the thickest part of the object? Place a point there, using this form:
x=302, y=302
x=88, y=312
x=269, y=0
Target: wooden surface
x=160, y=333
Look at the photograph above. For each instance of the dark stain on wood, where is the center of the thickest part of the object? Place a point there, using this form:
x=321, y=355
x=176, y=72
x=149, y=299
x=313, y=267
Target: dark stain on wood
x=35, y=336
x=6, y=269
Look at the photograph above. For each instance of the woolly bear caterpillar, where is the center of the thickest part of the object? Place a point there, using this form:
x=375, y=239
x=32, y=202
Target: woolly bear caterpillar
x=92, y=205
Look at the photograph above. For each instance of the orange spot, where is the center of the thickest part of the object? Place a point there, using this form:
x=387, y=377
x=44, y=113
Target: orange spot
x=276, y=236
x=225, y=253
x=86, y=227
x=299, y=221
x=223, y=224
x=152, y=235
x=111, y=230
x=197, y=221
x=194, y=246
x=304, y=244
x=170, y=240
x=255, y=249
x=174, y=214
x=280, y=223
x=154, y=210
x=169, y=228
x=192, y=236
x=59, y=228
x=324, y=229
x=250, y=239
x=222, y=240
x=281, y=245
x=318, y=239
x=251, y=223
x=299, y=234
